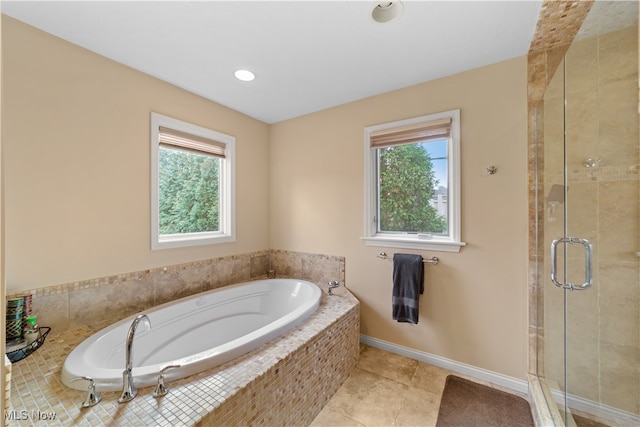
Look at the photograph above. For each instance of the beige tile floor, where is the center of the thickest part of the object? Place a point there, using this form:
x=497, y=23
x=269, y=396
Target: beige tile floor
x=386, y=389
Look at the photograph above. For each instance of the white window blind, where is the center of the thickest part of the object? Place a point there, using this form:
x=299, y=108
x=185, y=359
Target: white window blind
x=176, y=139
x=413, y=133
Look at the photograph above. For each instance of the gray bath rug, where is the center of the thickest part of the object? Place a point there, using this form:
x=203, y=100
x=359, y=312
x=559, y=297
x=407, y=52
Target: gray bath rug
x=465, y=403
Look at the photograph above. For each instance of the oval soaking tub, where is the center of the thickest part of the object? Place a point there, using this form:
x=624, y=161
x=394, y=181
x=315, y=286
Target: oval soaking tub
x=197, y=332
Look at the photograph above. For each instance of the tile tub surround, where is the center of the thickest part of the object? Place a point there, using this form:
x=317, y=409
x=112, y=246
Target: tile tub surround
x=285, y=382
x=109, y=299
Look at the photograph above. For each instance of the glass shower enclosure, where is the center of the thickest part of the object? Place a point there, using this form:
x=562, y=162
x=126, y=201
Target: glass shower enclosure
x=589, y=352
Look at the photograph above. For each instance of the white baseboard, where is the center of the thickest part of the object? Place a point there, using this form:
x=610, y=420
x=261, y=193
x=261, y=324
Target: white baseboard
x=519, y=386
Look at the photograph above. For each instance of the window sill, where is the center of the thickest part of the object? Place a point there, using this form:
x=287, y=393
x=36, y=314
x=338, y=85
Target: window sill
x=411, y=242
x=190, y=239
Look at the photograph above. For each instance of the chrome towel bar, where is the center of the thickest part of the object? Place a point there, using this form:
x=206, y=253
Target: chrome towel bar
x=433, y=260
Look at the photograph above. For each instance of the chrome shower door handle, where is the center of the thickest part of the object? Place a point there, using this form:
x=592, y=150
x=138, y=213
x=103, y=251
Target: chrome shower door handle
x=587, y=265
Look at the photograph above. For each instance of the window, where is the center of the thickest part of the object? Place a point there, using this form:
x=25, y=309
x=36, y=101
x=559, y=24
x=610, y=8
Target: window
x=192, y=184
x=412, y=180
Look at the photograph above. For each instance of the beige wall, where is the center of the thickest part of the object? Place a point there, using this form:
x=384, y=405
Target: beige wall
x=474, y=309
x=76, y=136
x=76, y=143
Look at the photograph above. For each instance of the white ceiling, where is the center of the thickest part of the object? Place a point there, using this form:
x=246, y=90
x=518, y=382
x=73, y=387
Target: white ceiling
x=307, y=55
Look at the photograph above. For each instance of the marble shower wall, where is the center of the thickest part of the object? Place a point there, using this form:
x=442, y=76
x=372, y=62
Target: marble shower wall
x=112, y=298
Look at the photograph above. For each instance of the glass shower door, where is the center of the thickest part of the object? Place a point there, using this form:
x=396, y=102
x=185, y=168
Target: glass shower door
x=591, y=226
x=571, y=247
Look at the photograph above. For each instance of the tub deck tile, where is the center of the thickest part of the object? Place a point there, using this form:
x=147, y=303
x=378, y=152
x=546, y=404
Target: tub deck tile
x=268, y=386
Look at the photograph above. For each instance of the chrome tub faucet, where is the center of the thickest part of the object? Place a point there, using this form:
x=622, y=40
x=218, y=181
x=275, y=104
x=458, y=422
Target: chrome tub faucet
x=129, y=391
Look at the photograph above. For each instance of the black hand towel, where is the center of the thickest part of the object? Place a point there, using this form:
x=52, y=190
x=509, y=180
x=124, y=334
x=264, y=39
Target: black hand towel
x=408, y=284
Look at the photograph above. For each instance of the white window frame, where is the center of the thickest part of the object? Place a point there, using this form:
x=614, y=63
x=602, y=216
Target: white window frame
x=446, y=243
x=227, y=194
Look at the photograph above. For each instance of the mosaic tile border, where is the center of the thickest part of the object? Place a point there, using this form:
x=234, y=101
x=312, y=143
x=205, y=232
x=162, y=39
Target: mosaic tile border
x=558, y=23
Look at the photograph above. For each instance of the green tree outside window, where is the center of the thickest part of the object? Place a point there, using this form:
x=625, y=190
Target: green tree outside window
x=407, y=185
x=189, y=192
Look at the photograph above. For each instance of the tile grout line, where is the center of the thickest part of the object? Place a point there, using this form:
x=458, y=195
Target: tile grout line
x=404, y=397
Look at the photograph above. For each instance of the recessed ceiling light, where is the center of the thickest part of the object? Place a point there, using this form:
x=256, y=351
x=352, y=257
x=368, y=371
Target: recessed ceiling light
x=385, y=11
x=244, y=75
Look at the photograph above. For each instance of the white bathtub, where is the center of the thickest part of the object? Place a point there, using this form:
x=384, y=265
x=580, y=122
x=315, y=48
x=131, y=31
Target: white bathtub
x=198, y=332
